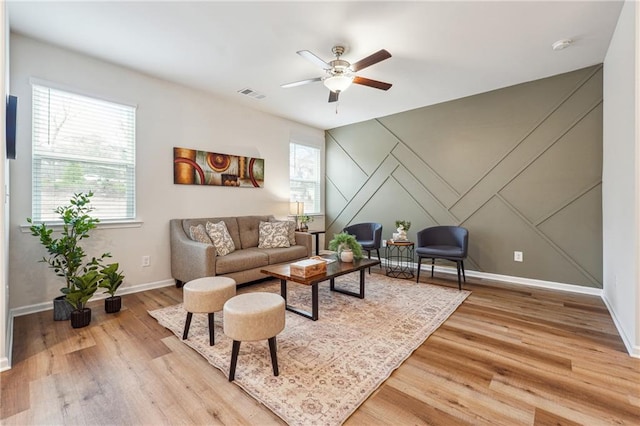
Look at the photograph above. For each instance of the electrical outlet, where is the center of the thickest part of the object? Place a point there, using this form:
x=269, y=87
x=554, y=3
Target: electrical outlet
x=517, y=256
x=146, y=260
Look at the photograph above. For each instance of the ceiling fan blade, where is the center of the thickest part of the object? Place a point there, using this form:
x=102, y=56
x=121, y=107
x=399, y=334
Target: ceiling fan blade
x=333, y=96
x=301, y=82
x=379, y=56
x=313, y=58
x=372, y=83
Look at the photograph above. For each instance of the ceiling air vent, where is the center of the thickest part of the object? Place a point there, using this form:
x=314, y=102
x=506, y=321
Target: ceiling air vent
x=251, y=93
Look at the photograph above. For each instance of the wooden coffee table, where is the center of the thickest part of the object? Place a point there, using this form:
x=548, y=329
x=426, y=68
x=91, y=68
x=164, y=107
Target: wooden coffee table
x=334, y=269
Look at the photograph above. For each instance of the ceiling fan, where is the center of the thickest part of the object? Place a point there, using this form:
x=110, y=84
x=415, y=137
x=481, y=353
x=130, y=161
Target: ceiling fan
x=340, y=73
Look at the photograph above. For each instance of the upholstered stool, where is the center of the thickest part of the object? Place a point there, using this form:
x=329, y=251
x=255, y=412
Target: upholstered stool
x=206, y=295
x=253, y=316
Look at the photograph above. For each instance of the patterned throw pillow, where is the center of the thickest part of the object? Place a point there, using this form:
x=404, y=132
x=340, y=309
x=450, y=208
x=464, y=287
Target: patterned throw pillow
x=221, y=239
x=273, y=235
x=199, y=234
x=292, y=230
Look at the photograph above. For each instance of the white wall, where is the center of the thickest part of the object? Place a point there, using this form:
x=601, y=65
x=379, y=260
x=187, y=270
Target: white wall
x=168, y=115
x=620, y=198
x=5, y=345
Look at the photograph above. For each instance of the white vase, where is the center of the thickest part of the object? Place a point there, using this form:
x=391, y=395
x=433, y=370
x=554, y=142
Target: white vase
x=346, y=256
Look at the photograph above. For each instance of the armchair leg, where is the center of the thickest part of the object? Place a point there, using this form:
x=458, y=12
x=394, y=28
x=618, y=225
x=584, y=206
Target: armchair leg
x=380, y=264
x=458, y=267
x=418, y=271
x=433, y=262
x=464, y=278
x=369, y=257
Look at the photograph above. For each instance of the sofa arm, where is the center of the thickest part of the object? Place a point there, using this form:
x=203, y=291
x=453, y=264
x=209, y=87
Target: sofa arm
x=304, y=239
x=189, y=259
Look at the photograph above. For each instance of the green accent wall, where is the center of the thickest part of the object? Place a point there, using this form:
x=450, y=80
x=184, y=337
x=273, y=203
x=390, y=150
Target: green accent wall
x=520, y=167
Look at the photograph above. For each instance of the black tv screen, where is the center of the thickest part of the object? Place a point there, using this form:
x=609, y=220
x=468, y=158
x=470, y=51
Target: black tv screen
x=12, y=113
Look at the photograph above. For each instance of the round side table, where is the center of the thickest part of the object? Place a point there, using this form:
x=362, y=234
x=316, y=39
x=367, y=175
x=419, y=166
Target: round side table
x=399, y=259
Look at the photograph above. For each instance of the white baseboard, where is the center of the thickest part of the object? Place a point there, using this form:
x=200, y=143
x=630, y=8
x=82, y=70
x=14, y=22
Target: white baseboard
x=633, y=350
x=47, y=306
x=4, y=364
x=516, y=280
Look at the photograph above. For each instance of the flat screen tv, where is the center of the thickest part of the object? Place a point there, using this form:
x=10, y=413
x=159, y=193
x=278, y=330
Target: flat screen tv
x=12, y=112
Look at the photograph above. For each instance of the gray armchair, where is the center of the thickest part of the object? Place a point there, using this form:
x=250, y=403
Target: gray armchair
x=368, y=235
x=443, y=242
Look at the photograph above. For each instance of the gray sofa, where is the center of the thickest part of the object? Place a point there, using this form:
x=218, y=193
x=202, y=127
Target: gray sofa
x=191, y=259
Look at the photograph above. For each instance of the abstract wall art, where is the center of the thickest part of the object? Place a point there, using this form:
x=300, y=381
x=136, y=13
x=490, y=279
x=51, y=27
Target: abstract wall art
x=193, y=167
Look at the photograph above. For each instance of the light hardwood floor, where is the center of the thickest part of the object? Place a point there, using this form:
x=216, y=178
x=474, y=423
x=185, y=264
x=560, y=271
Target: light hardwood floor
x=510, y=355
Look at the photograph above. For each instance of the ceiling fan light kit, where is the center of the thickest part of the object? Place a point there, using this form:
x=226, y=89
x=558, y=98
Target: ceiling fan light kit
x=338, y=83
x=340, y=73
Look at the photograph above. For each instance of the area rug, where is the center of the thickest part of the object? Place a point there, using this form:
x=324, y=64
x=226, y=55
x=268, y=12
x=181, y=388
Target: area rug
x=330, y=366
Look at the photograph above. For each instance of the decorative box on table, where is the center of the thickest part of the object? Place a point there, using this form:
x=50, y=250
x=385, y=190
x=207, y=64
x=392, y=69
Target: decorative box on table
x=308, y=267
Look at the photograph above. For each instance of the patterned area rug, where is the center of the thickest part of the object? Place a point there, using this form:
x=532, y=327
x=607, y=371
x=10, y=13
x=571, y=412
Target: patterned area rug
x=330, y=366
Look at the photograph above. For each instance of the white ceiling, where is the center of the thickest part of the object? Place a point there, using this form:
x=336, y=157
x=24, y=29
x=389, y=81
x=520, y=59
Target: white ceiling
x=441, y=50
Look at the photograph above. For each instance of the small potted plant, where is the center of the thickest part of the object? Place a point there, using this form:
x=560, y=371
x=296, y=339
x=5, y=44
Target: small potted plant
x=111, y=280
x=402, y=228
x=304, y=221
x=84, y=287
x=347, y=247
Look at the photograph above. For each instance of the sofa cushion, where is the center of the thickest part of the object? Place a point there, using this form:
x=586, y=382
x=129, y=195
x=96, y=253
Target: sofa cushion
x=199, y=234
x=288, y=254
x=292, y=230
x=249, y=230
x=241, y=260
x=273, y=235
x=220, y=237
x=231, y=222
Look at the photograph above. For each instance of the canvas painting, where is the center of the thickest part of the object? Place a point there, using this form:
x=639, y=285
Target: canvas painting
x=193, y=167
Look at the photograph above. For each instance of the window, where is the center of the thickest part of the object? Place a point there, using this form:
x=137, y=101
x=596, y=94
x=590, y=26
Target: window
x=304, y=176
x=81, y=144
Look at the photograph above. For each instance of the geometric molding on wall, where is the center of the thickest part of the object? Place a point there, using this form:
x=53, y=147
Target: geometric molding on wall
x=363, y=195
x=431, y=206
x=523, y=192
x=496, y=231
x=536, y=141
x=343, y=170
x=334, y=200
x=561, y=172
x=576, y=229
x=357, y=139
x=463, y=138
x=428, y=178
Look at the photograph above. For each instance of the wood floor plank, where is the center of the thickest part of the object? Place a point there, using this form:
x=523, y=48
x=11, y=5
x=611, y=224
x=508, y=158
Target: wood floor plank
x=509, y=355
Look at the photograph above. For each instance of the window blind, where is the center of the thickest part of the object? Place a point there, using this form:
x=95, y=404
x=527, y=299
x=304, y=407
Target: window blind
x=82, y=144
x=304, y=176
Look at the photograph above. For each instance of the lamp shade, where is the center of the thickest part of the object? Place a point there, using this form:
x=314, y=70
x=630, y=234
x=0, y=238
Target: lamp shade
x=338, y=83
x=296, y=208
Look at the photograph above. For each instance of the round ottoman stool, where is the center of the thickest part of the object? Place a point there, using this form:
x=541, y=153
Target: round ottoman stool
x=253, y=316
x=206, y=295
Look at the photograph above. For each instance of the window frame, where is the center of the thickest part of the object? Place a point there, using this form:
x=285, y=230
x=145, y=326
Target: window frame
x=125, y=166
x=309, y=208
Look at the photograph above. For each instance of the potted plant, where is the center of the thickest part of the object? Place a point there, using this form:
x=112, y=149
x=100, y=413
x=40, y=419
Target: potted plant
x=402, y=228
x=304, y=220
x=66, y=256
x=111, y=280
x=347, y=247
x=84, y=287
